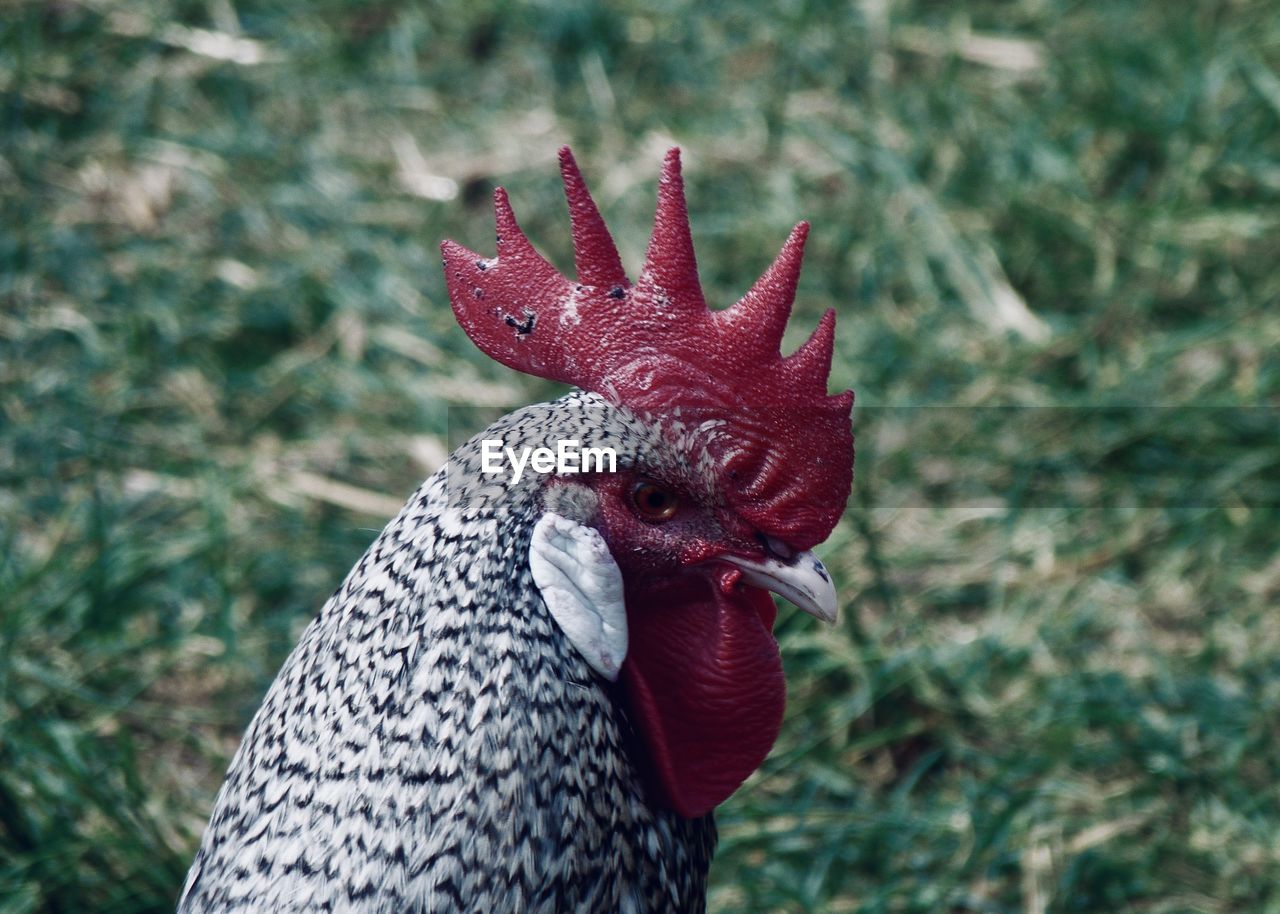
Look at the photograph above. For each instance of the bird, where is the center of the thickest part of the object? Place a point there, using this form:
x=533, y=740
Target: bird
x=533, y=690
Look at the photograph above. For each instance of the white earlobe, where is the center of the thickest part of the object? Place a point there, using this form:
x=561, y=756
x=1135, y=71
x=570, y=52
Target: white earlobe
x=582, y=586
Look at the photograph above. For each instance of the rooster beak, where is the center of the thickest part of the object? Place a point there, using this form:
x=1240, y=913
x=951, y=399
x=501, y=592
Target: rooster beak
x=802, y=579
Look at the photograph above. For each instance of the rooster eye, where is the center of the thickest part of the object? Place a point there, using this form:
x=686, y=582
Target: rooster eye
x=654, y=503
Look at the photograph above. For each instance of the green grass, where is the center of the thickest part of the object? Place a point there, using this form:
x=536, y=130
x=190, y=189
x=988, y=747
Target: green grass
x=226, y=356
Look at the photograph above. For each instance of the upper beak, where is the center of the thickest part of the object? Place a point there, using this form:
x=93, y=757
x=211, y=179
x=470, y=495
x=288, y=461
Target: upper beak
x=802, y=579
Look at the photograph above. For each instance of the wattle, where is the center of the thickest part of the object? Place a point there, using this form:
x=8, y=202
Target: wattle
x=704, y=679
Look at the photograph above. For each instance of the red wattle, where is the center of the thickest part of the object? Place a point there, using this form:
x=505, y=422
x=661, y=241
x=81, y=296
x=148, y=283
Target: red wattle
x=704, y=679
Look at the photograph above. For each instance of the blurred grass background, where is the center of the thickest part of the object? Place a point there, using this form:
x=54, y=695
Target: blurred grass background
x=226, y=357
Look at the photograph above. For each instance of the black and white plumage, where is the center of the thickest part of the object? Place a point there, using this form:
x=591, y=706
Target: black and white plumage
x=434, y=743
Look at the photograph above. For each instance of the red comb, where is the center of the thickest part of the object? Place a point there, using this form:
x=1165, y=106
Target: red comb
x=656, y=345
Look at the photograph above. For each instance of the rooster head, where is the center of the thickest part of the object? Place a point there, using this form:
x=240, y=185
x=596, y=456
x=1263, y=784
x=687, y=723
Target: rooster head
x=741, y=463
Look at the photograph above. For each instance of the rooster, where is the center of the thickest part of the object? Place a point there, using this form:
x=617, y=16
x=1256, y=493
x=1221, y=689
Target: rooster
x=530, y=695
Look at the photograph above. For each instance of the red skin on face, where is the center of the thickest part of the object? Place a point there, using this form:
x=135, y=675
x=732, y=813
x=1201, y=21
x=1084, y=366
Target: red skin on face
x=703, y=675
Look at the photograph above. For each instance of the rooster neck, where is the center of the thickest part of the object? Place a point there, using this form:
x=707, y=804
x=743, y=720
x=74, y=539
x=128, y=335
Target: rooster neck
x=434, y=743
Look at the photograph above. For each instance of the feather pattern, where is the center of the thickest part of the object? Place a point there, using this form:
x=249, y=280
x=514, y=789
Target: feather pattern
x=434, y=743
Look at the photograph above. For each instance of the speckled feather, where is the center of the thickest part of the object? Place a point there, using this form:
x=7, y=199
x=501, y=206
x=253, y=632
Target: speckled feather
x=434, y=743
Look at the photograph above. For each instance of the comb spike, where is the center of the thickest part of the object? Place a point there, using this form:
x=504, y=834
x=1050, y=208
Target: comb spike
x=808, y=367
x=516, y=254
x=499, y=302
x=760, y=317
x=670, y=267
x=595, y=256
x=512, y=241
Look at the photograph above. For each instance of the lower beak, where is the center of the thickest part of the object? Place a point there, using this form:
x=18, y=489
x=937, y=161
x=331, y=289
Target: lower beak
x=802, y=579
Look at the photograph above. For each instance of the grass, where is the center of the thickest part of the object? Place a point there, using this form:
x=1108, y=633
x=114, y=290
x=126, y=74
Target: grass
x=1050, y=230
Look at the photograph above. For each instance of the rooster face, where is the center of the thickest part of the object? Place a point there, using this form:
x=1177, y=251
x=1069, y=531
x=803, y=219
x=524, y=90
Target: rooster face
x=737, y=463
x=666, y=521
x=658, y=521
x=686, y=618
